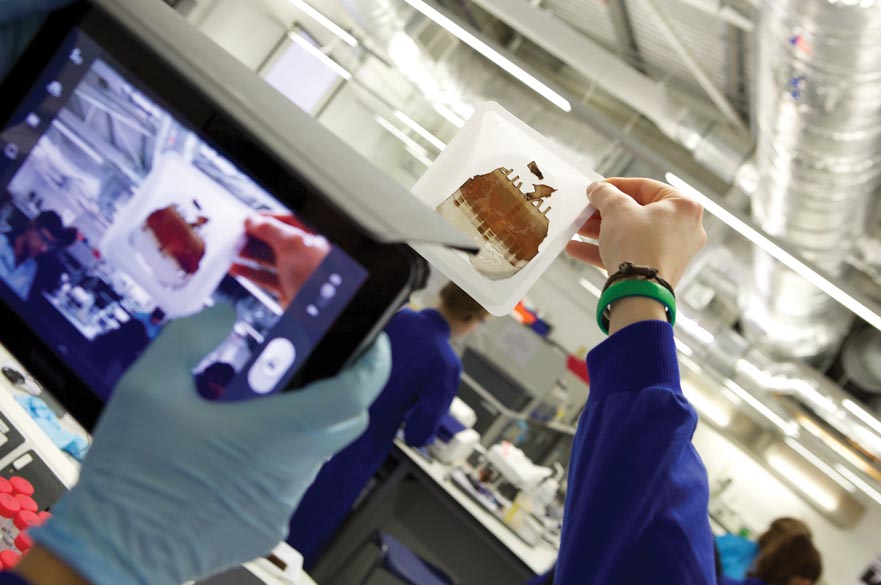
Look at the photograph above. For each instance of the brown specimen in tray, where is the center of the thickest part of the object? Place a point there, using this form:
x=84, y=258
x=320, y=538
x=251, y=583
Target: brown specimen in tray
x=176, y=237
x=504, y=215
x=533, y=168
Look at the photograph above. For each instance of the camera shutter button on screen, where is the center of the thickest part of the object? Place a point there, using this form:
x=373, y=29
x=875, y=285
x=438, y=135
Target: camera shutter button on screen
x=272, y=364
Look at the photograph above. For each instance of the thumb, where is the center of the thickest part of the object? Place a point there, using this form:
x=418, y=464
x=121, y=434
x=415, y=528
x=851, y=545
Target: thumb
x=185, y=342
x=345, y=396
x=603, y=195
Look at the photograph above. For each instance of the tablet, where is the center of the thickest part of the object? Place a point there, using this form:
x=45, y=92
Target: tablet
x=129, y=200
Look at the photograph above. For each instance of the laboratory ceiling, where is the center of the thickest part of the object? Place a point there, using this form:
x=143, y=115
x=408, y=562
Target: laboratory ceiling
x=654, y=86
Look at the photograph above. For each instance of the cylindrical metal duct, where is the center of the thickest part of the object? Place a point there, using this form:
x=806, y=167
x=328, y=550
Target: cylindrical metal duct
x=819, y=160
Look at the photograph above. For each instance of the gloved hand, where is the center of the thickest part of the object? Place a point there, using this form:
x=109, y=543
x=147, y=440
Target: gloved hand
x=19, y=20
x=176, y=487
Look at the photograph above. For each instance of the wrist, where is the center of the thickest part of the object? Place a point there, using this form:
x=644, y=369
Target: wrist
x=618, y=306
x=85, y=531
x=632, y=310
x=41, y=567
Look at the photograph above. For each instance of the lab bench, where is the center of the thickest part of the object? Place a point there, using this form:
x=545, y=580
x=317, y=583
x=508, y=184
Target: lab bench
x=419, y=504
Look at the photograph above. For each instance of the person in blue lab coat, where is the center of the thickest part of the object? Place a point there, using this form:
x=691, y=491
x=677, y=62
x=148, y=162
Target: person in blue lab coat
x=424, y=380
x=784, y=554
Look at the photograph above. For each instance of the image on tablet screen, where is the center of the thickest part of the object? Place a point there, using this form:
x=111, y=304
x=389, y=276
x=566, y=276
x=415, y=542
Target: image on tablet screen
x=116, y=219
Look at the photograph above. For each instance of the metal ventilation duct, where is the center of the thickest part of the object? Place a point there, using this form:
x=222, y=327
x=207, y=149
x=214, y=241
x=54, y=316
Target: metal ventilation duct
x=819, y=159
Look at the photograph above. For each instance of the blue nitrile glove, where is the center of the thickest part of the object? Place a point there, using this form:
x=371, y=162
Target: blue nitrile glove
x=40, y=413
x=19, y=20
x=175, y=487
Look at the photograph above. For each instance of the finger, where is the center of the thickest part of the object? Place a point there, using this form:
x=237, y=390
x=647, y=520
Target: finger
x=261, y=278
x=259, y=252
x=287, y=219
x=344, y=396
x=267, y=229
x=585, y=252
x=591, y=228
x=603, y=195
x=644, y=191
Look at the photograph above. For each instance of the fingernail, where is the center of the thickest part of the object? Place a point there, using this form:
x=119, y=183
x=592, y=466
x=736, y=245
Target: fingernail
x=592, y=187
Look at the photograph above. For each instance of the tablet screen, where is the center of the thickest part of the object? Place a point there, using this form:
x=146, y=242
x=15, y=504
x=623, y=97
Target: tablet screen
x=116, y=218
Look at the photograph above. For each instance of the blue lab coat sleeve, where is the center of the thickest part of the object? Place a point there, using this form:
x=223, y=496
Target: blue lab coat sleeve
x=10, y=579
x=723, y=580
x=636, y=510
x=422, y=421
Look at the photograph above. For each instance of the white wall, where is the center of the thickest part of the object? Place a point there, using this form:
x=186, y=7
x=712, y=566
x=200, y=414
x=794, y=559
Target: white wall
x=759, y=497
x=567, y=306
x=245, y=29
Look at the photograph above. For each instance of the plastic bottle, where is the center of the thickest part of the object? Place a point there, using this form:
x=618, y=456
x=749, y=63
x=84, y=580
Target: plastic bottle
x=21, y=486
x=27, y=503
x=23, y=543
x=9, y=507
x=22, y=521
x=5, y=486
x=9, y=558
x=44, y=517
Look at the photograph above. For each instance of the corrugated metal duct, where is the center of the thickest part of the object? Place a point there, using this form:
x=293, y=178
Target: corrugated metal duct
x=819, y=160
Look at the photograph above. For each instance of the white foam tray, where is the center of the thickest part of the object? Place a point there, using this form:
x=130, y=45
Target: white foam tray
x=494, y=138
x=172, y=181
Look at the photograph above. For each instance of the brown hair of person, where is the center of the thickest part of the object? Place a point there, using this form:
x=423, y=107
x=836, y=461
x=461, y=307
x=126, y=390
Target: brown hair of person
x=787, y=557
x=458, y=305
x=783, y=527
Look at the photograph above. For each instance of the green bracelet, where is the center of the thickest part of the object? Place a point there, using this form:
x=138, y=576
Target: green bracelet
x=634, y=288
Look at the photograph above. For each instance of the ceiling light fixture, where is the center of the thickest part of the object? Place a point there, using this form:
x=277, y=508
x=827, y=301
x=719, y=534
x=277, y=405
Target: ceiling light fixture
x=835, y=444
x=420, y=156
x=590, y=287
x=814, y=460
x=325, y=22
x=451, y=116
x=789, y=428
x=853, y=478
x=856, y=410
x=493, y=55
x=790, y=261
x=802, y=482
x=705, y=406
x=687, y=352
x=420, y=130
x=411, y=146
x=318, y=54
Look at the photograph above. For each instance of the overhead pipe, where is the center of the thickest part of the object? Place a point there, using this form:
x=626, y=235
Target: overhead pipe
x=718, y=347
x=818, y=159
